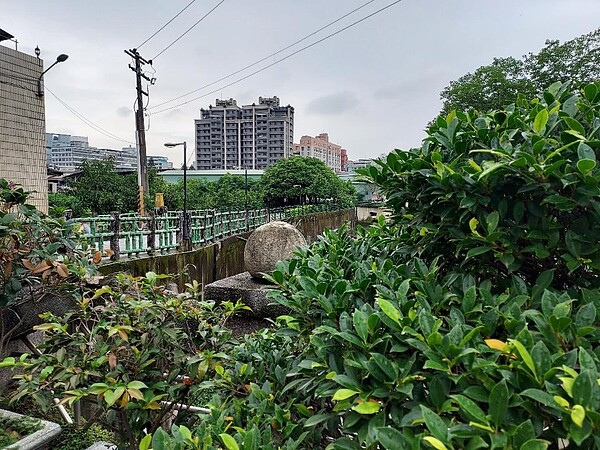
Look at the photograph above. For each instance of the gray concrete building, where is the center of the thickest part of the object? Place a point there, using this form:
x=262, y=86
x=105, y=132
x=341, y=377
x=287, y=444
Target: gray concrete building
x=22, y=123
x=67, y=153
x=253, y=136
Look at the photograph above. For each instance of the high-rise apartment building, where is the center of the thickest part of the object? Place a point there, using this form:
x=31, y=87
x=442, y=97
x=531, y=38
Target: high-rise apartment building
x=253, y=136
x=67, y=153
x=319, y=147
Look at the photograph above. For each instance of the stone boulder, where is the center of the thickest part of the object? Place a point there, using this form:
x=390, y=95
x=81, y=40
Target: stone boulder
x=270, y=243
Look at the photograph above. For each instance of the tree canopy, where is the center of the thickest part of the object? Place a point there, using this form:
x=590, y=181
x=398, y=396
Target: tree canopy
x=101, y=189
x=296, y=179
x=497, y=84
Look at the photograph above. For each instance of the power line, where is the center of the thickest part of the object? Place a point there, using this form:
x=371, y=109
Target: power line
x=87, y=121
x=189, y=29
x=164, y=26
x=266, y=57
x=280, y=60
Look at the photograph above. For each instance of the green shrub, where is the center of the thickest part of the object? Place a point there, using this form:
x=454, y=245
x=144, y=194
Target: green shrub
x=405, y=355
x=512, y=191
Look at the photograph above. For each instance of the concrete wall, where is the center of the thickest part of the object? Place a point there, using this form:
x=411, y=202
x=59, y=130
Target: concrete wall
x=224, y=258
x=367, y=214
x=22, y=124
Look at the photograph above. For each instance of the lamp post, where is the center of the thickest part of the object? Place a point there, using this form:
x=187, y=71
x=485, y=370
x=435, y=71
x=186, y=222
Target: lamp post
x=60, y=58
x=185, y=229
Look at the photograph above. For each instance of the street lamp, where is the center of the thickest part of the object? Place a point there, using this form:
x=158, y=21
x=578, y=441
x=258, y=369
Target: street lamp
x=60, y=58
x=185, y=229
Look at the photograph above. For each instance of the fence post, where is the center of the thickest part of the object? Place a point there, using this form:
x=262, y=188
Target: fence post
x=179, y=233
x=202, y=230
x=115, y=229
x=151, y=238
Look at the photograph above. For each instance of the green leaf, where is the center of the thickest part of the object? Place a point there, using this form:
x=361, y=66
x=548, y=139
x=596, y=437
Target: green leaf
x=367, y=407
x=498, y=403
x=586, y=315
x=542, y=397
x=573, y=124
x=492, y=221
x=470, y=409
x=316, y=419
x=523, y=433
x=435, y=443
x=535, y=444
x=390, y=438
x=160, y=440
x=541, y=118
x=578, y=415
x=590, y=92
x=389, y=309
x=361, y=324
x=136, y=385
x=525, y=356
x=477, y=251
x=491, y=168
x=435, y=424
x=583, y=388
x=145, y=442
x=585, y=166
x=584, y=151
x=343, y=394
x=229, y=442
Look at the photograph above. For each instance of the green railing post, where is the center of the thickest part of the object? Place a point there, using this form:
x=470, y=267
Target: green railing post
x=151, y=238
x=115, y=229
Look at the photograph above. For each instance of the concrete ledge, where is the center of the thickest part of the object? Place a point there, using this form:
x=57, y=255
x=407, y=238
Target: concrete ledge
x=252, y=292
x=37, y=440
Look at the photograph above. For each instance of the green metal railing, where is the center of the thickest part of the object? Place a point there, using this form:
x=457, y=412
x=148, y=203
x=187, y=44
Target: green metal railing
x=132, y=235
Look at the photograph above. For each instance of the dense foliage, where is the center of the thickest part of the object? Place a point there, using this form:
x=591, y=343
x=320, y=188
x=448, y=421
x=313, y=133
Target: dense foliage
x=508, y=191
x=298, y=179
x=470, y=322
x=101, y=189
x=228, y=192
x=497, y=85
x=35, y=250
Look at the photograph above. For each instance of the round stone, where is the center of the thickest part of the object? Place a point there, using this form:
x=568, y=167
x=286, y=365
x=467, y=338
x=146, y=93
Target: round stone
x=270, y=243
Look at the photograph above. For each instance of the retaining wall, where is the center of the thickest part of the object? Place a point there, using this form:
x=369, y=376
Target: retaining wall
x=226, y=257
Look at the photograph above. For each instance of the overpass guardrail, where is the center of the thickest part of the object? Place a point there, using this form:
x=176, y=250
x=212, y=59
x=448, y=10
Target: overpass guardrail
x=132, y=235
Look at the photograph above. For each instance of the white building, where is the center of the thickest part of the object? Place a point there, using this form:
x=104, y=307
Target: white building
x=67, y=153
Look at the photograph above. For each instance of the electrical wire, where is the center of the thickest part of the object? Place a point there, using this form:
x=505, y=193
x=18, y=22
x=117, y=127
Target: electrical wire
x=87, y=121
x=280, y=60
x=266, y=57
x=165, y=25
x=188, y=30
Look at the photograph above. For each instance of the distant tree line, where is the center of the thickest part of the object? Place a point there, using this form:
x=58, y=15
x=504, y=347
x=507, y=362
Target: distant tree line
x=100, y=189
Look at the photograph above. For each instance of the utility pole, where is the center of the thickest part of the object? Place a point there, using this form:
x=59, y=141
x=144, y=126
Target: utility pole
x=140, y=128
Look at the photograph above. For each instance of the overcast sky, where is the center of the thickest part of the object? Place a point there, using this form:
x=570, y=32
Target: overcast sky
x=372, y=87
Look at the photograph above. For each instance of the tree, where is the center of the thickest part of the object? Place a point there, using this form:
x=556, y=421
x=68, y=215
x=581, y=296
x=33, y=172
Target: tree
x=507, y=192
x=489, y=87
x=291, y=180
x=497, y=85
x=101, y=189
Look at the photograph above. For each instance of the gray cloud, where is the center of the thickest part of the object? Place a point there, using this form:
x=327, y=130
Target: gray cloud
x=333, y=105
x=124, y=111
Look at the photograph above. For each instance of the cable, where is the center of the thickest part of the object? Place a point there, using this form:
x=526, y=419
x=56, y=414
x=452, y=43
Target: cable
x=163, y=27
x=266, y=57
x=87, y=121
x=282, y=59
x=188, y=30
